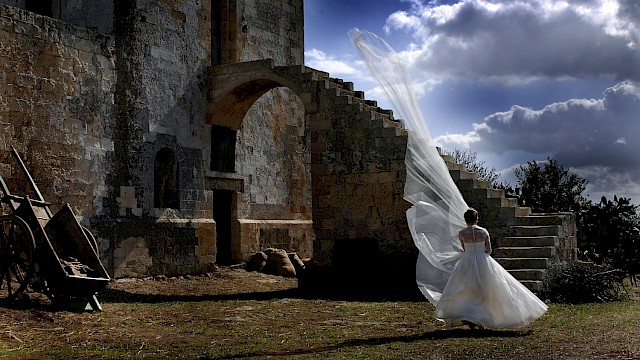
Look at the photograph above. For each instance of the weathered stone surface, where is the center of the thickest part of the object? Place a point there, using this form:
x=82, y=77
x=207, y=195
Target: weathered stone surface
x=92, y=107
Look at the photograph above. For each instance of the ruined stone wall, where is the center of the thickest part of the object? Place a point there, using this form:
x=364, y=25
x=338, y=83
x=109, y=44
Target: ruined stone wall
x=358, y=178
x=272, y=178
x=93, y=112
x=56, y=103
x=263, y=29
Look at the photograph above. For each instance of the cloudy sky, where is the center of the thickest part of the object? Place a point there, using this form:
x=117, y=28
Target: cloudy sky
x=513, y=81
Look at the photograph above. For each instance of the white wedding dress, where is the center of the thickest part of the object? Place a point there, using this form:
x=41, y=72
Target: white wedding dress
x=482, y=292
x=462, y=284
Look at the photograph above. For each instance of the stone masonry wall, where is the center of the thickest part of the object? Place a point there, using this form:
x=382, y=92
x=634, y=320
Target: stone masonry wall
x=263, y=29
x=56, y=100
x=90, y=110
x=358, y=175
x=163, y=52
x=92, y=14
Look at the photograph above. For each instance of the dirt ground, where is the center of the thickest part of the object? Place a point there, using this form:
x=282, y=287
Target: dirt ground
x=234, y=314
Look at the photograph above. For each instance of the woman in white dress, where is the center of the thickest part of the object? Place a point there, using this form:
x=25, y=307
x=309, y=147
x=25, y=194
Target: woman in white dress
x=454, y=270
x=480, y=292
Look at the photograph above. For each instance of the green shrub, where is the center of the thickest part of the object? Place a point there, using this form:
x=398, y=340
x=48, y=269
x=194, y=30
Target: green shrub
x=583, y=282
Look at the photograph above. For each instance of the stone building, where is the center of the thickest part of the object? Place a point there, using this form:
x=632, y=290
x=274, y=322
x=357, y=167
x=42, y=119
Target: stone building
x=189, y=133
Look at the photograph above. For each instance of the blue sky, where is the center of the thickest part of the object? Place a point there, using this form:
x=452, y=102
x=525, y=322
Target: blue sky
x=513, y=81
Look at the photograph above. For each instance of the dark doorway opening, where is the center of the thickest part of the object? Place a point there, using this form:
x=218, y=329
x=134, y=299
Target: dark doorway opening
x=222, y=210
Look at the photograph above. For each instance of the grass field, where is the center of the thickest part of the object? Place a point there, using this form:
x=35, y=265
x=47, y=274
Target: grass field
x=238, y=315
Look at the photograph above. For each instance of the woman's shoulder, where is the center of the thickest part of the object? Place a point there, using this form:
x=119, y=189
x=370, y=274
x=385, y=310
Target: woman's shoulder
x=482, y=229
x=465, y=230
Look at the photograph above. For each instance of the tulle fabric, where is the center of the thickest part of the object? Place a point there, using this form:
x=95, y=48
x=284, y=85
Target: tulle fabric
x=481, y=291
x=444, y=273
x=437, y=205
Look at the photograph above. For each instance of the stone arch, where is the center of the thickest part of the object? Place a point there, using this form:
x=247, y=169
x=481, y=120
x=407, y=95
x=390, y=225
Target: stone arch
x=235, y=88
x=269, y=193
x=166, y=180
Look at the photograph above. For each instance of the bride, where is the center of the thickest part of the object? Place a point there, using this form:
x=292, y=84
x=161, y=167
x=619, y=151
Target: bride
x=454, y=270
x=480, y=292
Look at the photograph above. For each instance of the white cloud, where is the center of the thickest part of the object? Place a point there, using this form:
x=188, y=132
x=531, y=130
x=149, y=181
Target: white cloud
x=318, y=59
x=579, y=131
x=595, y=138
x=457, y=141
x=523, y=40
x=603, y=181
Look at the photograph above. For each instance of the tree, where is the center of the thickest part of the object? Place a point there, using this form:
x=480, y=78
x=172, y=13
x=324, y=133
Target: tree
x=611, y=231
x=550, y=188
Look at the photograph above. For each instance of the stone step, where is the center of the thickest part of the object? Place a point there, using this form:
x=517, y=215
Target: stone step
x=511, y=212
x=528, y=274
x=344, y=100
x=527, y=241
x=537, y=220
x=529, y=263
x=525, y=252
x=462, y=174
x=373, y=103
x=500, y=202
x=389, y=123
x=534, y=286
x=531, y=231
x=468, y=184
x=482, y=193
x=446, y=157
x=454, y=166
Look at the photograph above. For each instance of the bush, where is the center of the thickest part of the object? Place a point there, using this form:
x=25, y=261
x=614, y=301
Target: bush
x=582, y=282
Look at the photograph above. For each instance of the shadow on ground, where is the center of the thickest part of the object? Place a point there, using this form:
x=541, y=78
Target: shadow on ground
x=427, y=336
x=334, y=293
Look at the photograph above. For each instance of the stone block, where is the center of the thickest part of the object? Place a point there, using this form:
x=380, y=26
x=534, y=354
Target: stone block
x=131, y=258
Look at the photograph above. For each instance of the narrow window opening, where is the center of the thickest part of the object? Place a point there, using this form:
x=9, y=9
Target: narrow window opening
x=166, y=186
x=216, y=33
x=223, y=148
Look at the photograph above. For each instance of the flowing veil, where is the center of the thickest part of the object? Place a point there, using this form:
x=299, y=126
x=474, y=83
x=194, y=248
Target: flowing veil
x=435, y=216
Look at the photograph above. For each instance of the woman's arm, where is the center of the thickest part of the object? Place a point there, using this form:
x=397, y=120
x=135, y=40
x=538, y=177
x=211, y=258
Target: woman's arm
x=487, y=244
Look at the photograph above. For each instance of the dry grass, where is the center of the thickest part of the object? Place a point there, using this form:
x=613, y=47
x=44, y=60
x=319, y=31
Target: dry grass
x=235, y=314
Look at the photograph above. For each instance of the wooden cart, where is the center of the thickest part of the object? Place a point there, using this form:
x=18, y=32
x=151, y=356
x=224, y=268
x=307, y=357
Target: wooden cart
x=45, y=252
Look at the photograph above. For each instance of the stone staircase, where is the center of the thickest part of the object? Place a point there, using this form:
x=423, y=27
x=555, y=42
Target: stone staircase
x=525, y=243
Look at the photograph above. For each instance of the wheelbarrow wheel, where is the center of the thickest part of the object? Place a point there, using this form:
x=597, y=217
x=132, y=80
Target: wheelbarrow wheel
x=17, y=246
